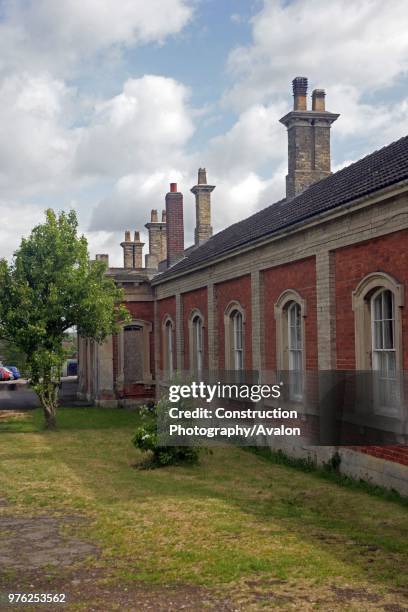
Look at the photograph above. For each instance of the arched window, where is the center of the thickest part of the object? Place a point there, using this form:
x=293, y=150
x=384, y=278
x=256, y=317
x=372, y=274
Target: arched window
x=234, y=321
x=290, y=310
x=168, y=346
x=196, y=338
x=377, y=303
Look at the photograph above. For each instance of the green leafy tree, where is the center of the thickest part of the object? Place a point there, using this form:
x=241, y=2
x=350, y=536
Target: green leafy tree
x=50, y=287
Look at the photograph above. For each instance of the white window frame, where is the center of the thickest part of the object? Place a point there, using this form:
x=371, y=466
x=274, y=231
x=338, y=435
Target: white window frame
x=168, y=346
x=295, y=351
x=386, y=392
x=237, y=340
x=234, y=315
x=196, y=341
x=290, y=299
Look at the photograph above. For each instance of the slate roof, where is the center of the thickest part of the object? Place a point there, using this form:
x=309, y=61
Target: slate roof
x=376, y=171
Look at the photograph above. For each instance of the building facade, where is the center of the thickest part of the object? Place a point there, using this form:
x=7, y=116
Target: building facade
x=316, y=281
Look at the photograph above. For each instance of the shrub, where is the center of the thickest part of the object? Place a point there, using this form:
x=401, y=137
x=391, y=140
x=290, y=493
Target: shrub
x=146, y=440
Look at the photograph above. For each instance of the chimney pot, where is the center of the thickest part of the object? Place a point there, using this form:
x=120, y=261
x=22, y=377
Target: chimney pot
x=202, y=176
x=163, y=216
x=138, y=251
x=299, y=85
x=318, y=102
x=173, y=187
x=153, y=216
x=127, y=236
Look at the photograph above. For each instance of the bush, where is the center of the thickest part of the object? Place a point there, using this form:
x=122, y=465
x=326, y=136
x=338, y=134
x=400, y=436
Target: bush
x=146, y=440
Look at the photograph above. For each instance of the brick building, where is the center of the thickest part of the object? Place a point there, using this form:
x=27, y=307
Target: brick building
x=316, y=281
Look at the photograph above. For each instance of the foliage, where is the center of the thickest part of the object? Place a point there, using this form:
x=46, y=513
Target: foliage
x=70, y=345
x=12, y=355
x=50, y=287
x=146, y=440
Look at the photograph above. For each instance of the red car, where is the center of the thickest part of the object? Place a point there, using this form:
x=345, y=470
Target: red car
x=4, y=374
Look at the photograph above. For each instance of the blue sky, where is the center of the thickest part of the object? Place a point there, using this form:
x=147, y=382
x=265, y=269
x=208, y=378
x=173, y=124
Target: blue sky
x=103, y=103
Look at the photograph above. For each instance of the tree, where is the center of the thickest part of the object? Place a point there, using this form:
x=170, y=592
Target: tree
x=10, y=354
x=50, y=287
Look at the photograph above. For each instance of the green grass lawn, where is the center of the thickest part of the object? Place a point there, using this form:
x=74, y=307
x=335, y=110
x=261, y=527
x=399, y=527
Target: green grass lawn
x=233, y=518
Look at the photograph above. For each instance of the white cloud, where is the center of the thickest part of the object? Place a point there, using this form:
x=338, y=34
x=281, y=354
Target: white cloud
x=127, y=147
x=256, y=138
x=17, y=220
x=362, y=44
x=55, y=35
x=55, y=139
x=143, y=127
x=37, y=143
x=133, y=196
x=356, y=51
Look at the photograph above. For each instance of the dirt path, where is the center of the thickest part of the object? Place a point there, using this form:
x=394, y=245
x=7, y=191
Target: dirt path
x=37, y=556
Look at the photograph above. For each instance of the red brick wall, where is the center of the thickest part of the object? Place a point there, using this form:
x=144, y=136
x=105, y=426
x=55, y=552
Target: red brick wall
x=352, y=264
x=165, y=307
x=300, y=276
x=238, y=289
x=195, y=299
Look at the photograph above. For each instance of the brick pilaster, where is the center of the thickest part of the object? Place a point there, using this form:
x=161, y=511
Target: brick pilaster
x=179, y=333
x=326, y=310
x=212, y=328
x=157, y=347
x=257, y=319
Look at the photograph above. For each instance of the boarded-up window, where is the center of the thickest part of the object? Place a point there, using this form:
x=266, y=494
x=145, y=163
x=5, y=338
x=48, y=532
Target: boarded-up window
x=133, y=353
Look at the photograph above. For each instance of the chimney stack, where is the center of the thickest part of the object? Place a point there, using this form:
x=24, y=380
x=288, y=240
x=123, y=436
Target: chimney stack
x=202, y=192
x=308, y=139
x=175, y=225
x=127, y=246
x=157, y=240
x=132, y=251
x=103, y=257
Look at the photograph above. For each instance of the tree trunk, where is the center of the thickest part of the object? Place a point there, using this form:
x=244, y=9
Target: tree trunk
x=47, y=391
x=50, y=417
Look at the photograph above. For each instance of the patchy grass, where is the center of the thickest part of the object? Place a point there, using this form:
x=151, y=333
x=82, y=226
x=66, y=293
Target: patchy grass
x=234, y=520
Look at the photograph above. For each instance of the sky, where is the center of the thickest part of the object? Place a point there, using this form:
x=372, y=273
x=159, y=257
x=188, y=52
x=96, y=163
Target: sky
x=104, y=103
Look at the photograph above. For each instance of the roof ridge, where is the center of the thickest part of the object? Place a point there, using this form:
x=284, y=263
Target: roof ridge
x=360, y=178
x=307, y=189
